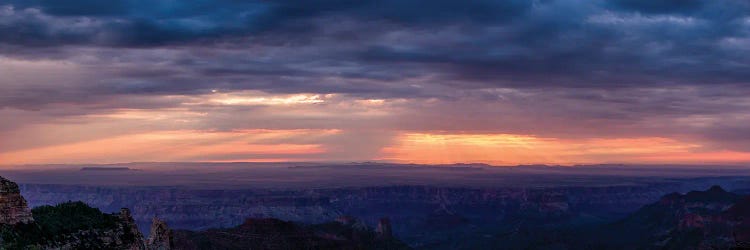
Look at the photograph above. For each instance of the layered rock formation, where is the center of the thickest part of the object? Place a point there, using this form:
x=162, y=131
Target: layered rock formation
x=160, y=237
x=435, y=217
x=13, y=207
x=128, y=224
x=449, y=214
x=204, y=209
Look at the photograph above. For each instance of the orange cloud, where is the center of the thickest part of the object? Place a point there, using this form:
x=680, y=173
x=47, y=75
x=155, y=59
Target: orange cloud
x=261, y=145
x=508, y=149
x=181, y=145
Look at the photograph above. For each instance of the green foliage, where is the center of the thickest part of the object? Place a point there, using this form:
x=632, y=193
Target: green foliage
x=71, y=217
x=52, y=224
x=21, y=236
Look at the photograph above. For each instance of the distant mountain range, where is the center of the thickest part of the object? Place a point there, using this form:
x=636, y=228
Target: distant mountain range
x=530, y=219
x=106, y=169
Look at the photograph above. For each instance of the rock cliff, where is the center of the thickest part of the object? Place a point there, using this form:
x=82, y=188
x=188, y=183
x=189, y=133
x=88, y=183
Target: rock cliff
x=129, y=225
x=384, y=228
x=160, y=237
x=13, y=207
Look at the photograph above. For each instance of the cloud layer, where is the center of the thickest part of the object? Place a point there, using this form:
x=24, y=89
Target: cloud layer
x=377, y=71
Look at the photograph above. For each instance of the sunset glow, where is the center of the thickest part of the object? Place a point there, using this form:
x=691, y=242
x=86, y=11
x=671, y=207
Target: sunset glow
x=504, y=149
x=253, y=145
x=524, y=83
x=374, y=124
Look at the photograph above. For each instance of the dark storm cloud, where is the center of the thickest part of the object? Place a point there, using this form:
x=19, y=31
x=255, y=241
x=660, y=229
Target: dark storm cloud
x=589, y=46
x=487, y=43
x=138, y=23
x=660, y=6
x=76, y=8
x=609, y=66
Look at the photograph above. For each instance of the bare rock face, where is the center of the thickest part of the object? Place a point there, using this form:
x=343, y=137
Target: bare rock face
x=13, y=207
x=128, y=224
x=384, y=230
x=161, y=236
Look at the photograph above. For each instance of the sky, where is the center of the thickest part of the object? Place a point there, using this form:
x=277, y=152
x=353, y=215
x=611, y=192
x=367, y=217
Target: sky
x=501, y=82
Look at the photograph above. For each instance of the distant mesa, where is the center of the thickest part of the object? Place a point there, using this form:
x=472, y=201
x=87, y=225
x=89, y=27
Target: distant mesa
x=107, y=169
x=411, y=166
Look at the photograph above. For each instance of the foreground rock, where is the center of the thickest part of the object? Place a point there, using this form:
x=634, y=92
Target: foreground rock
x=160, y=237
x=69, y=225
x=72, y=225
x=384, y=230
x=13, y=207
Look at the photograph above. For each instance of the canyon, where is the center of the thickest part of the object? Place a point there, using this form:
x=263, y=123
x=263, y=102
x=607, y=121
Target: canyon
x=423, y=216
x=502, y=207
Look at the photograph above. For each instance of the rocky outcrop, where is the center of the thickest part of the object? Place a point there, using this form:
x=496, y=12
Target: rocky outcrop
x=129, y=225
x=75, y=225
x=384, y=230
x=68, y=225
x=160, y=237
x=13, y=207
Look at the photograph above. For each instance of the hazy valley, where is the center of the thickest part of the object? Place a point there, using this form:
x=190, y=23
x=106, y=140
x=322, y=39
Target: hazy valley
x=428, y=206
